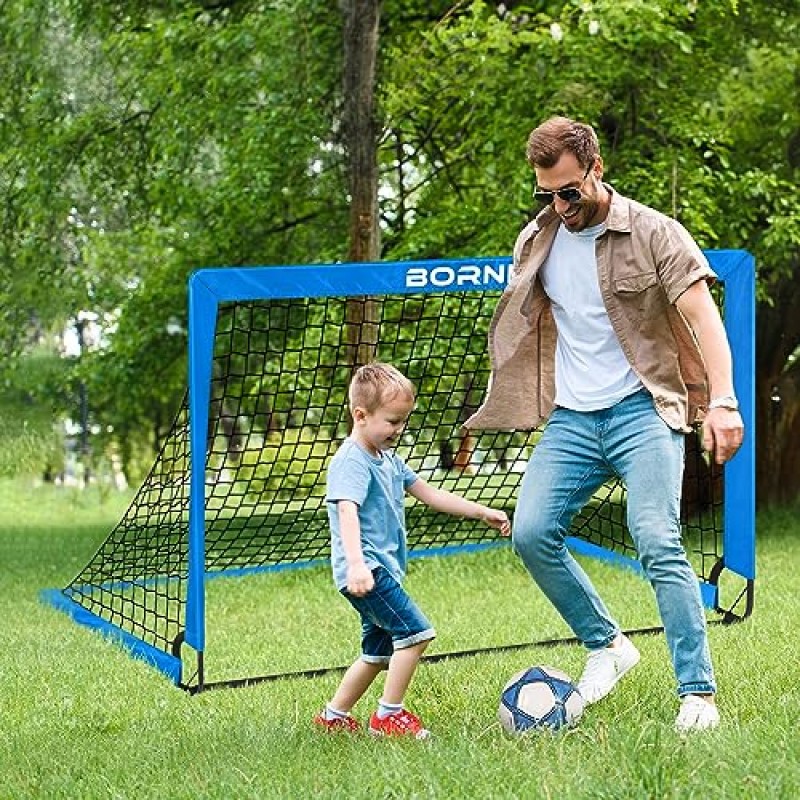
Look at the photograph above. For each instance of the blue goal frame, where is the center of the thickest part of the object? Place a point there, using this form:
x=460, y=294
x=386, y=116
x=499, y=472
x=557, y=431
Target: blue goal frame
x=212, y=286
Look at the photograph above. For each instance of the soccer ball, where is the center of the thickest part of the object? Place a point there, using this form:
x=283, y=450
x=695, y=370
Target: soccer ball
x=539, y=698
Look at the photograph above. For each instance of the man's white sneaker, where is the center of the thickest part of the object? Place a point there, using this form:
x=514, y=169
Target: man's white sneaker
x=696, y=714
x=605, y=667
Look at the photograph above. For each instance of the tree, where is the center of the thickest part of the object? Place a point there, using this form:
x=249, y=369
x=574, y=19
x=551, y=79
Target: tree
x=360, y=139
x=226, y=133
x=211, y=144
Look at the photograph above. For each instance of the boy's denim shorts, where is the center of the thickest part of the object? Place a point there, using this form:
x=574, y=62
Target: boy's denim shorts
x=390, y=619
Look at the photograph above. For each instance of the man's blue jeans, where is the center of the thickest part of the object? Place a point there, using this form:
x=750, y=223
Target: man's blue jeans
x=577, y=453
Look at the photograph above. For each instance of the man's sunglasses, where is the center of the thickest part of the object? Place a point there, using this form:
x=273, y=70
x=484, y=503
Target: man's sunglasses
x=572, y=194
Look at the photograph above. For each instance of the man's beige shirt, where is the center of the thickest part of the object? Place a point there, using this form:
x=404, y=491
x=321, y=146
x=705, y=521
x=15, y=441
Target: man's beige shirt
x=645, y=261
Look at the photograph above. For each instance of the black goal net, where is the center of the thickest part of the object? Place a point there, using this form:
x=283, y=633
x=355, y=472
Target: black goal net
x=277, y=414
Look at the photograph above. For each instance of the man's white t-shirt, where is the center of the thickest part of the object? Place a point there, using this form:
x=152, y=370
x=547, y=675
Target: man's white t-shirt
x=591, y=369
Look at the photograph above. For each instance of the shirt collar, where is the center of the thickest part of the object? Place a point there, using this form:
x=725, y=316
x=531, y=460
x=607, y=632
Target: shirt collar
x=619, y=217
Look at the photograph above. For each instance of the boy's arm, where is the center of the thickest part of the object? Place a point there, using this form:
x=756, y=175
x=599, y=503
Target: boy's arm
x=359, y=577
x=449, y=503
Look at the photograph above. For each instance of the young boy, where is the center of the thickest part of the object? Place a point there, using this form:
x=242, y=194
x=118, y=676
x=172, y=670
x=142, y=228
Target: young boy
x=367, y=482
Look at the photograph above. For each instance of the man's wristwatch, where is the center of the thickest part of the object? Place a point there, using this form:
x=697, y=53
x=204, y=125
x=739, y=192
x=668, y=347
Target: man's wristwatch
x=726, y=401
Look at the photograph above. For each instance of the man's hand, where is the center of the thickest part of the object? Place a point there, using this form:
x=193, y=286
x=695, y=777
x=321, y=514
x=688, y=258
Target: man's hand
x=723, y=431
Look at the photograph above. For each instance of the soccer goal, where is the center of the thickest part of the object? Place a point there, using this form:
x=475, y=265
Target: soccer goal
x=238, y=487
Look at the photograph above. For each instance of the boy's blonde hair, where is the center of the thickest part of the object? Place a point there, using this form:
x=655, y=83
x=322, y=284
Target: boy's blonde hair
x=376, y=384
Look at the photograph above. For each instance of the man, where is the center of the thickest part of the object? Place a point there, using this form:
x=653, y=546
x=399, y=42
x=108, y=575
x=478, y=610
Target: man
x=608, y=331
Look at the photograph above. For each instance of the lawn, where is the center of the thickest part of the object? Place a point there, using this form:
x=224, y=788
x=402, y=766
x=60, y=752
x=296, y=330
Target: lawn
x=82, y=720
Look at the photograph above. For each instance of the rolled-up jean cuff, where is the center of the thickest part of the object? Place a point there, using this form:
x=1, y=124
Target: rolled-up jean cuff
x=375, y=659
x=410, y=641
x=696, y=688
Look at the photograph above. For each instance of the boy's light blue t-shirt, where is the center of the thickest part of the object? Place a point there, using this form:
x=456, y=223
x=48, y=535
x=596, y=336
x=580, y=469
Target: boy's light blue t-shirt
x=377, y=484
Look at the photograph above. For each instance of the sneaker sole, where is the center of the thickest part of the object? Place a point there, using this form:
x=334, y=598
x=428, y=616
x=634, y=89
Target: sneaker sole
x=707, y=724
x=689, y=730
x=418, y=737
x=336, y=731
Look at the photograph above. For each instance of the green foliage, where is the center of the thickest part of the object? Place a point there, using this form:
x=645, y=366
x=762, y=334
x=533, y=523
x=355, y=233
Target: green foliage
x=463, y=103
x=139, y=141
x=455, y=136
x=33, y=206
x=27, y=446
x=758, y=200
x=30, y=442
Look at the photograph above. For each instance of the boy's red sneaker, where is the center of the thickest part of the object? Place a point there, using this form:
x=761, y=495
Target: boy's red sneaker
x=401, y=723
x=348, y=724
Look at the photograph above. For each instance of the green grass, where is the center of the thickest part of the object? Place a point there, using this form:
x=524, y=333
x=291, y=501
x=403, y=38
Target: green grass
x=79, y=719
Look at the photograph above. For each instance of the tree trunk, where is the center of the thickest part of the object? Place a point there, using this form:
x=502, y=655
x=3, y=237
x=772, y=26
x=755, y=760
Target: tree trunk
x=360, y=138
x=778, y=398
x=466, y=441
x=778, y=439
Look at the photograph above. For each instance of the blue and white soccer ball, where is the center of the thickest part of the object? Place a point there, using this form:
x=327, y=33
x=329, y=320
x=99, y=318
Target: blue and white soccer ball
x=539, y=698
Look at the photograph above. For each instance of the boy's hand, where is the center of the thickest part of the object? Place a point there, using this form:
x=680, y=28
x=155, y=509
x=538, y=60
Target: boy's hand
x=496, y=519
x=360, y=580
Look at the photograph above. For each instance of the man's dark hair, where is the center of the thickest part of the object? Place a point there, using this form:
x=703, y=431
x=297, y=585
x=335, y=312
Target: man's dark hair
x=559, y=135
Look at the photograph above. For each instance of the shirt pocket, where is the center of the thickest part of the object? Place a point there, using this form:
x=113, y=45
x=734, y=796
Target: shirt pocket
x=640, y=299
x=634, y=284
